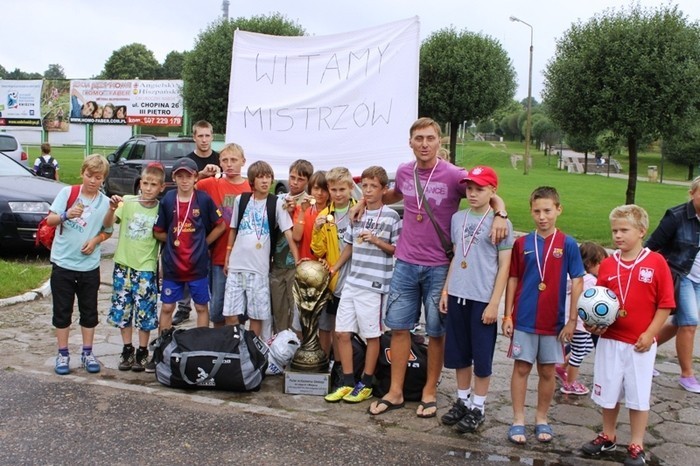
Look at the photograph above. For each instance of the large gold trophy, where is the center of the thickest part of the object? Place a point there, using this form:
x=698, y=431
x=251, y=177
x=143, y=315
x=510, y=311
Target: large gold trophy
x=311, y=294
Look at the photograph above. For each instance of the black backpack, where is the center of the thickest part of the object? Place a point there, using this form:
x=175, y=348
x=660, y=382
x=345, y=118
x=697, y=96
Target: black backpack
x=416, y=369
x=47, y=169
x=271, y=216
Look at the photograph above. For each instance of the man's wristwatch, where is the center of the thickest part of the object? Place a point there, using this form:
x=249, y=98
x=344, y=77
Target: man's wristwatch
x=501, y=213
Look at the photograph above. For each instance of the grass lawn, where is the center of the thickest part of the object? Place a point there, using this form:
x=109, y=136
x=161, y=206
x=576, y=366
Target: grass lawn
x=20, y=276
x=586, y=199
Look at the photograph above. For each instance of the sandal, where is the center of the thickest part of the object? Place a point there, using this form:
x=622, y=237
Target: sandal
x=544, y=429
x=514, y=431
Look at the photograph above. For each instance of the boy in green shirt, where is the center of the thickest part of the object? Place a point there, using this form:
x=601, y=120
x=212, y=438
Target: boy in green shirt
x=135, y=294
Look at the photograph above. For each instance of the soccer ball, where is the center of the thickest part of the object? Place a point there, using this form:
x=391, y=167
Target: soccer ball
x=598, y=306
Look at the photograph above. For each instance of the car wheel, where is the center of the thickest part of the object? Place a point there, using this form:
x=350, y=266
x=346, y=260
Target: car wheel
x=280, y=189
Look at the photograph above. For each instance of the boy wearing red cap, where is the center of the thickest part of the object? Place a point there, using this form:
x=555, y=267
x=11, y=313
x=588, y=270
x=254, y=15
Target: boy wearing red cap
x=475, y=283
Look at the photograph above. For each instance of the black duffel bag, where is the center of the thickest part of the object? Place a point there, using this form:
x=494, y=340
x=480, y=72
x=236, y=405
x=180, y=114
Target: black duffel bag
x=416, y=369
x=226, y=358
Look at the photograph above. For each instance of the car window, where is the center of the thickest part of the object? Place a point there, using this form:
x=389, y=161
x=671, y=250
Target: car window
x=172, y=150
x=138, y=151
x=123, y=152
x=8, y=143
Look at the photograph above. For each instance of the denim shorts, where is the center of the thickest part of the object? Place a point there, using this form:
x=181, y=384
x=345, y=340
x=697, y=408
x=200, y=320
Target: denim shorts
x=411, y=286
x=688, y=304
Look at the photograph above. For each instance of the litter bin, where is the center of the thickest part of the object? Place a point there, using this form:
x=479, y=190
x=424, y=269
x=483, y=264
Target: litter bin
x=652, y=173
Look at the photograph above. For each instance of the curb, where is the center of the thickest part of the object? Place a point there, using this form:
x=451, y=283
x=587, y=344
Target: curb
x=37, y=293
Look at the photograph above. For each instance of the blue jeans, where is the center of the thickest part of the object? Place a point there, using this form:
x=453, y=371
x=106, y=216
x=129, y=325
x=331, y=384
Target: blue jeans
x=412, y=285
x=217, y=283
x=688, y=304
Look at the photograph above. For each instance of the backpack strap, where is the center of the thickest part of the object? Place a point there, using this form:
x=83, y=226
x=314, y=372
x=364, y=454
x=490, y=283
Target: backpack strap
x=271, y=205
x=72, y=197
x=242, y=204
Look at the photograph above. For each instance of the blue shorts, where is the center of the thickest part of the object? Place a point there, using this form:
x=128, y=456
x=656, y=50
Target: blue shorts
x=134, y=298
x=412, y=285
x=174, y=291
x=467, y=338
x=688, y=304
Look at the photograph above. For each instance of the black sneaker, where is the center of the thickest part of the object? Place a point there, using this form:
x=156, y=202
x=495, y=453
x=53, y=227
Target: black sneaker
x=635, y=456
x=455, y=414
x=140, y=361
x=180, y=316
x=150, y=366
x=471, y=421
x=601, y=444
x=126, y=360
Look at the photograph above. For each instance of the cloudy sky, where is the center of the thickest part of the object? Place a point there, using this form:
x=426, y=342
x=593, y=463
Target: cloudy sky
x=80, y=35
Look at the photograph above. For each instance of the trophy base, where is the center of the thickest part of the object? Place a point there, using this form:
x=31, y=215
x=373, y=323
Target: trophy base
x=307, y=383
x=310, y=360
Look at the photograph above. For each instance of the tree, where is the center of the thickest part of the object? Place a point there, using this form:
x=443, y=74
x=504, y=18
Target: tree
x=486, y=126
x=546, y=132
x=130, y=62
x=635, y=72
x=19, y=74
x=684, y=148
x=207, y=68
x=463, y=76
x=55, y=71
x=173, y=65
x=3, y=72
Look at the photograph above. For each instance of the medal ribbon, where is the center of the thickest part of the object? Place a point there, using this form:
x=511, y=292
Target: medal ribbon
x=181, y=225
x=416, y=179
x=643, y=253
x=541, y=269
x=376, y=221
x=465, y=249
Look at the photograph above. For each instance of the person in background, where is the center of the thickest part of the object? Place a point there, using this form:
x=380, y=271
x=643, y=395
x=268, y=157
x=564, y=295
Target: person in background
x=45, y=165
x=677, y=238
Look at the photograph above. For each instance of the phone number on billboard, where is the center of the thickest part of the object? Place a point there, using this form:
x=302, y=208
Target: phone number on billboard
x=154, y=121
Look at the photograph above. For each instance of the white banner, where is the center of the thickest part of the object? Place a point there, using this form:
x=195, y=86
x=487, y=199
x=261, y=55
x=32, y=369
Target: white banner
x=340, y=100
x=132, y=102
x=20, y=103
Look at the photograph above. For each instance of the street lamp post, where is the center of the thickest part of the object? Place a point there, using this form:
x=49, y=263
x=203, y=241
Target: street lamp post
x=528, y=124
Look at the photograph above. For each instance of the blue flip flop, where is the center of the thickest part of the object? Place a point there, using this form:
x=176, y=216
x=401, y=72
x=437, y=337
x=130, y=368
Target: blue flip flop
x=516, y=430
x=544, y=429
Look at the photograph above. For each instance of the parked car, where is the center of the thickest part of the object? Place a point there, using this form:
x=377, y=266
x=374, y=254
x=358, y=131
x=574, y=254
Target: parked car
x=10, y=146
x=24, y=200
x=127, y=162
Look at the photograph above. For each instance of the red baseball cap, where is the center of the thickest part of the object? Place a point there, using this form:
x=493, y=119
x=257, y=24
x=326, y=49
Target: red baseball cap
x=483, y=176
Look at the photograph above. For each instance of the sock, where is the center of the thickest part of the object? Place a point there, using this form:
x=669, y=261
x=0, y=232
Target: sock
x=464, y=394
x=478, y=402
x=367, y=379
x=87, y=349
x=143, y=349
x=63, y=351
x=128, y=346
x=349, y=380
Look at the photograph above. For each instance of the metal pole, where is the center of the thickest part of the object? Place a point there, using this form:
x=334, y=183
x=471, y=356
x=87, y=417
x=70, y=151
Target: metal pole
x=528, y=124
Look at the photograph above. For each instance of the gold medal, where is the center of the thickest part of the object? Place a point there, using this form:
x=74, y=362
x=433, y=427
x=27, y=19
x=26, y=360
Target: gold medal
x=541, y=286
x=312, y=201
x=258, y=245
x=359, y=240
x=419, y=217
x=121, y=203
x=464, y=264
x=176, y=243
x=622, y=313
x=329, y=218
